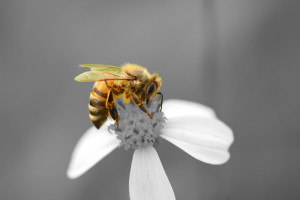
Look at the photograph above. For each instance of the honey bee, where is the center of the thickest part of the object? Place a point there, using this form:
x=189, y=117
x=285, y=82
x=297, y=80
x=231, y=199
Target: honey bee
x=131, y=81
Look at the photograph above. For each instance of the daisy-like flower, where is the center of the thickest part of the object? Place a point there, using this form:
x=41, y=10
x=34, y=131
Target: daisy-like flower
x=192, y=127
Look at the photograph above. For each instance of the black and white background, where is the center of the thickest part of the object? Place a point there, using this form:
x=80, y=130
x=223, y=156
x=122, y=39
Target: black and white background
x=240, y=57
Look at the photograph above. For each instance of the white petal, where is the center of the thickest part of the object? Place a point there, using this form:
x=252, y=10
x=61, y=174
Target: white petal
x=90, y=149
x=205, y=139
x=176, y=108
x=148, y=180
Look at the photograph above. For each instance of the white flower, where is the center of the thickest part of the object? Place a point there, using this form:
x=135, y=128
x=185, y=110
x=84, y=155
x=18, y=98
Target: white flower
x=190, y=126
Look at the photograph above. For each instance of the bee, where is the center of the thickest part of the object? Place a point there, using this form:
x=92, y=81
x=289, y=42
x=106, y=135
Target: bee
x=131, y=81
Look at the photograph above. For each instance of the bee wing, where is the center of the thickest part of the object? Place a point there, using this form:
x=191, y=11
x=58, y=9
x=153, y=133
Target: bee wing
x=92, y=76
x=103, y=68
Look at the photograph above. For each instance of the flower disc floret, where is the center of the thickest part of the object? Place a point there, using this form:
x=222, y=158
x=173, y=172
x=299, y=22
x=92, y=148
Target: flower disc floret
x=136, y=129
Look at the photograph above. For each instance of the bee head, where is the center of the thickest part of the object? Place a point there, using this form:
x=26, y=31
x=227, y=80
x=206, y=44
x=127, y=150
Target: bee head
x=153, y=87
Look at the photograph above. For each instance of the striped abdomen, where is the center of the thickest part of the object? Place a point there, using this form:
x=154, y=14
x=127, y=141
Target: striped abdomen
x=97, y=104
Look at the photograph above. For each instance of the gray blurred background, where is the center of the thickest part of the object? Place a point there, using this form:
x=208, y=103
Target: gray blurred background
x=239, y=57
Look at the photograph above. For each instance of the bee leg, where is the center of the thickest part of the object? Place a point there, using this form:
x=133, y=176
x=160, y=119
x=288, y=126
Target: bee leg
x=110, y=99
x=138, y=103
x=110, y=104
x=113, y=113
x=161, y=99
x=145, y=110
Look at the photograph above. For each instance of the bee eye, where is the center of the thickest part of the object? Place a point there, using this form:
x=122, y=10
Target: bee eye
x=150, y=89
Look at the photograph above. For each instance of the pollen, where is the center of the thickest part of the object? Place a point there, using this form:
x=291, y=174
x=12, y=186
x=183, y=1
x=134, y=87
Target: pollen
x=136, y=129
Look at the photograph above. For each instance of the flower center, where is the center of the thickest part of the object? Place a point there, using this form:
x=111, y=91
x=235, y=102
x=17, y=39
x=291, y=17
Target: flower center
x=136, y=129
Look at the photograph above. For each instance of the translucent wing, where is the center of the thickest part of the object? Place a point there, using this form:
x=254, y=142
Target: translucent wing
x=92, y=76
x=103, y=68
